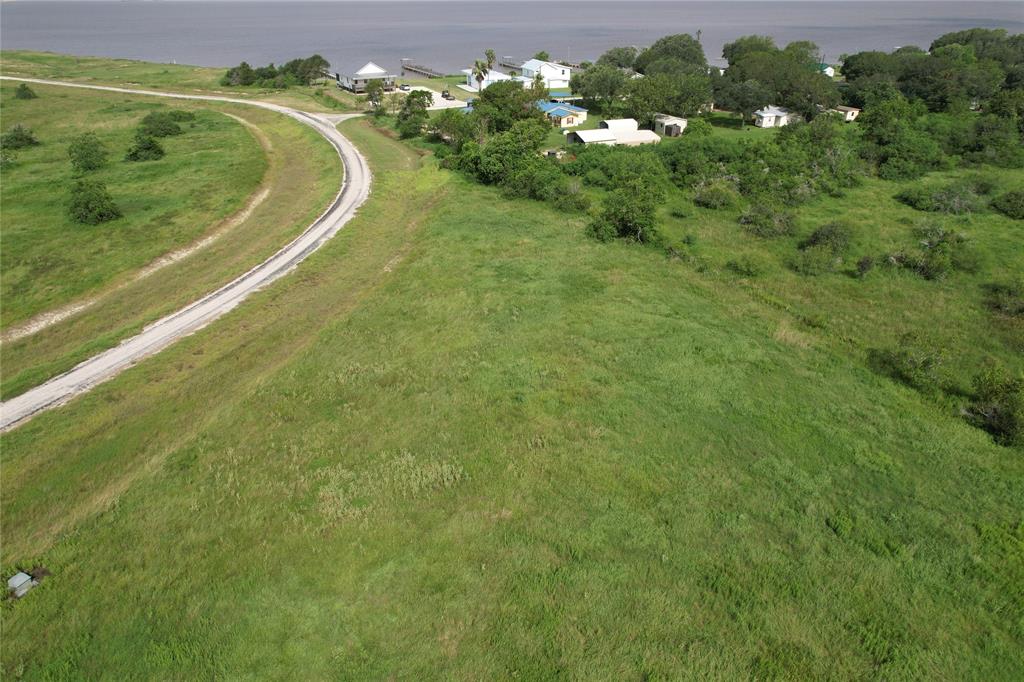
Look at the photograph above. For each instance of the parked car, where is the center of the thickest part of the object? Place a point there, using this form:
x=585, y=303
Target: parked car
x=447, y=95
x=404, y=88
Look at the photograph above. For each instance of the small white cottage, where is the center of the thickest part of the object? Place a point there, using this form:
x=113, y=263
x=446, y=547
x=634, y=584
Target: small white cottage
x=774, y=117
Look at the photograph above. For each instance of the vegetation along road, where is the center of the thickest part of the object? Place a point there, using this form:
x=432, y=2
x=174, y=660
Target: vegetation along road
x=354, y=190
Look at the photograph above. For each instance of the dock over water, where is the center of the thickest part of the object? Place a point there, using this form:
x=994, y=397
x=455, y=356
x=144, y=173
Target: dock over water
x=410, y=66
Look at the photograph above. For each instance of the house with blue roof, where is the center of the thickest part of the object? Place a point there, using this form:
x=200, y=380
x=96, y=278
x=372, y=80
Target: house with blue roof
x=563, y=115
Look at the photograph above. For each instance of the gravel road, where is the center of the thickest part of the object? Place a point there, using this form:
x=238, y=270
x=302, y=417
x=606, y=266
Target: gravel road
x=354, y=190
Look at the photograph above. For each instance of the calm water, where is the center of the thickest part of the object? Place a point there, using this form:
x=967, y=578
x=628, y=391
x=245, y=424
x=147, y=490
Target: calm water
x=449, y=35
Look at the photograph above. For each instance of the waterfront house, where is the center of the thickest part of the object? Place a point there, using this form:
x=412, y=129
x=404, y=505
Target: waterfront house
x=563, y=115
x=774, y=117
x=555, y=76
x=357, y=81
x=491, y=78
x=669, y=126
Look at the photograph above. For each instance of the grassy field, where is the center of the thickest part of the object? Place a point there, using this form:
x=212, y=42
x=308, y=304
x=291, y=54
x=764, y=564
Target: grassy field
x=463, y=441
x=176, y=77
x=299, y=171
x=208, y=173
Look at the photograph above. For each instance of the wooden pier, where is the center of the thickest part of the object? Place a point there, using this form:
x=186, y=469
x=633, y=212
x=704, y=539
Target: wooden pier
x=408, y=65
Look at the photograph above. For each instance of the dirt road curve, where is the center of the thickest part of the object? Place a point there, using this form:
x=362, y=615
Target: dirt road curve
x=354, y=190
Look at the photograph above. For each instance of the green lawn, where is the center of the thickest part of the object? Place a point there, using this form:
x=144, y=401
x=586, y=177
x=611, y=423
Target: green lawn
x=176, y=77
x=463, y=441
x=167, y=203
x=49, y=260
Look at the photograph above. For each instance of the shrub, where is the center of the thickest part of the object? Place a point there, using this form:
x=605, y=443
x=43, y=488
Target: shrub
x=87, y=153
x=910, y=362
x=1006, y=297
x=159, y=124
x=1010, y=204
x=698, y=127
x=18, y=137
x=181, y=116
x=767, y=221
x=834, y=237
x=91, y=203
x=955, y=199
x=629, y=211
x=942, y=251
x=145, y=148
x=747, y=266
x=865, y=265
x=716, y=194
x=7, y=158
x=998, y=406
x=25, y=92
x=813, y=260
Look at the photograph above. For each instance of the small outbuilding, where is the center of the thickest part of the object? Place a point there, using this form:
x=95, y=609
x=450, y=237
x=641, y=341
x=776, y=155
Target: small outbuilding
x=616, y=131
x=669, y=126
x=358, y=81
x=774, y=117
x=849, y=114
x=827, y=69
x=19, y=584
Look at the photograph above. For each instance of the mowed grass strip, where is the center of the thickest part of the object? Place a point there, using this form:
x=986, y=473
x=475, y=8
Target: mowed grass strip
x=130, y=73
x=463, y=441
x=48, y=260
x=303, y=175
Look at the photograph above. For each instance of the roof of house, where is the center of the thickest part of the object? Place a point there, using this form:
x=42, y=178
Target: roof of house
x=772, y=110
x=823, y=66
x=596, y=135
x=636, y=136
x=559, y=108
x=620, y=124
x=668, y=118
x=538, y=64
x=845, y=109
x=371, y=70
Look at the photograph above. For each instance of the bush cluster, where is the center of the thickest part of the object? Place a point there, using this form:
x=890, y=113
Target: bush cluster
x=25, y=92
x=765, y=220
x=1010, y=204
x=955, y=199
x=717, y=193
x=18, y=137
x=912, y=362
x=87, y=153
x=998, y=406
x=1006, y=297
x=91, y=203
x=295, y=72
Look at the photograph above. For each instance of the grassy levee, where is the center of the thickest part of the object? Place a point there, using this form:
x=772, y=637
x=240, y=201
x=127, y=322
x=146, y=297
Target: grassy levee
x=303, y=174
x=48, y=260
x=171, y=77
x=463, y=441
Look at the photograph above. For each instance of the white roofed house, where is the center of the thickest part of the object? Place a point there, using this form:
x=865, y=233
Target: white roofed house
x=357, y=81
x=491, y=78
x=669, y=126
x=774, y=117
x=849, y=114
x=555, y=76
x=616, y=131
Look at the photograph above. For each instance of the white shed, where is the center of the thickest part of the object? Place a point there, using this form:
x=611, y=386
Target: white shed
x=669, y=126
x=774, y=117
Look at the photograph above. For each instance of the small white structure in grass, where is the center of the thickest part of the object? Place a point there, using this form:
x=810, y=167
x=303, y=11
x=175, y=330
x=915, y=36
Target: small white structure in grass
x=669, y=126
x=19, y=584
x=616, y=131
x=555, y=76
x=849, y=114
x=370, y=72
x=774, y=117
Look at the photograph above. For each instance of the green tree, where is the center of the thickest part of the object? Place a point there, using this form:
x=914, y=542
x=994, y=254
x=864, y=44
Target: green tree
x=375, y=95
x=629, y=211
x=25, y=92
x=413, y=115
x=601, y=84
x=618, y=57
x=736, y=50
x=87, y=153
x=543, y=56
x=744, y=98
x=159, y=124
x=682, y=47
x=501, y=105
x=91, y=204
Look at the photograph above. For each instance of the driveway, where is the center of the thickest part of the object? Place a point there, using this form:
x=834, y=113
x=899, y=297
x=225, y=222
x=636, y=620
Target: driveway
x=354, y=190
x=440, y=102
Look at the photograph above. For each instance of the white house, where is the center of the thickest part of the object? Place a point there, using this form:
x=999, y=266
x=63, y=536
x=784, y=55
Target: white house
x=491, y=78
x=849, y=114
x=616, y=131
x=669, y=126
x=556, y=76
x=370, y=72
x=774, y=117
x=827, y=70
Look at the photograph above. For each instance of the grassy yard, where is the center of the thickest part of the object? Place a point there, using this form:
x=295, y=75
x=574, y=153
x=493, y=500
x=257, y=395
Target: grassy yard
x=202, y=180
x=48, y=260
x=464, y=441
x=176, y=77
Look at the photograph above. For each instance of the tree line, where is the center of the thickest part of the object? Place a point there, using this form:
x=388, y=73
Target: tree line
x=296, y=72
